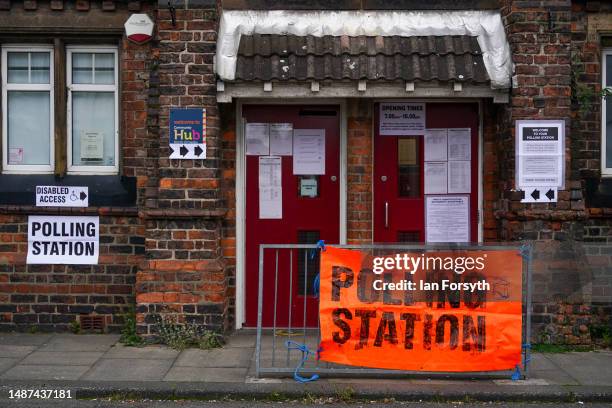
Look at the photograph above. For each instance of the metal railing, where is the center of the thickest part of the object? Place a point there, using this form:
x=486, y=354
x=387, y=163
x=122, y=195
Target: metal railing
x=291, y=316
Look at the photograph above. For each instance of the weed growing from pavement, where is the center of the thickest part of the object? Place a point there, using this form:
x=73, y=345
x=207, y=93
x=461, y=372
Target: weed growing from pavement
x=129, y=335
x=180, y=336
x=559, y=348
x=346, y=394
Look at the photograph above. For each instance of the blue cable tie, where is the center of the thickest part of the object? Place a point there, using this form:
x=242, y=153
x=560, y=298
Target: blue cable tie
x=320, y=245
x=516, y=375
x=528, y=347
x=316, y=284
x=524, y=250
x=292, y=345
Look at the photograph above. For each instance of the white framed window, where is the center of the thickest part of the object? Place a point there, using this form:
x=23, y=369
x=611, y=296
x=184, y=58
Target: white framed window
x=606, y=114
x=93, y=113
x=27, y=109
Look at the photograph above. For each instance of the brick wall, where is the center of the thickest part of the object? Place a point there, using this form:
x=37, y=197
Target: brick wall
x=545, y=38
x=50, y=297
x=184, y=273
x=586, y=83
x=359, y=171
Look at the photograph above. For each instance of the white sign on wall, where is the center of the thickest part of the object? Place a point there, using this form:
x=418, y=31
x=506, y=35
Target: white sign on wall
x=402, y=118
x=58, y=196
x=63, y=240
x=540, y=158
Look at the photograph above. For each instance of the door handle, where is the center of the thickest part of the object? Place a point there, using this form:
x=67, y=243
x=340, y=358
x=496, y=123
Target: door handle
x=386, y=214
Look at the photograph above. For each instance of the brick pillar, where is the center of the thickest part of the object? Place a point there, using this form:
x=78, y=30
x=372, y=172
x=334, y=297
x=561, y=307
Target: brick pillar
x=359, y=171
x=184, y=272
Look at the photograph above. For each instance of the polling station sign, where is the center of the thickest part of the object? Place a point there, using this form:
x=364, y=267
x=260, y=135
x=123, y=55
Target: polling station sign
x=435, y=311
x=187, y=136
x=63, y=240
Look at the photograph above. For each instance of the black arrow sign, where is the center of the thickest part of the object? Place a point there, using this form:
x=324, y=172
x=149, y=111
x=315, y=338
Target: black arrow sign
x=198, y=151
x=171, y=151
x=536, y=194
x=184, y=151
x=83, y=196
x=550, y=194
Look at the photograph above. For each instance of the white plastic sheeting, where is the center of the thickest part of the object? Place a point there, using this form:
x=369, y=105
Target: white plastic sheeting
x=485, y=25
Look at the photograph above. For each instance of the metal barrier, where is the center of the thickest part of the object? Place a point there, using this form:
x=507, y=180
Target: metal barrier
x=294, y=315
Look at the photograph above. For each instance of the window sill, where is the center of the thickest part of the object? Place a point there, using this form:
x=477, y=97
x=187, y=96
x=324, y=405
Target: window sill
x=104, y=190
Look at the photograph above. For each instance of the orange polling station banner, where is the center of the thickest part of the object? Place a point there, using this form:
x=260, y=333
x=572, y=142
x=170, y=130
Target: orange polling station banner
x=436, y=311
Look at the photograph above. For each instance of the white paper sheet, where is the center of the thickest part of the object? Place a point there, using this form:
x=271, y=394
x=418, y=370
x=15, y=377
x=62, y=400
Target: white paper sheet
x=270, y=203
x=447, y=219
x=459, y=144
x=540, y=171
x=435, y=144
x=257, y=139
x=459, y=176
x=308, y=151
x=270, y=174
x=281, y=139
x=435, y=177
x=402, y=118
x=540, y=153
x=270, y=187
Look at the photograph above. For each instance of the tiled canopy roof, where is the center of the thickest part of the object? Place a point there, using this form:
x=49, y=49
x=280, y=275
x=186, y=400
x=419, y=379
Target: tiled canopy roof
x=289, y=57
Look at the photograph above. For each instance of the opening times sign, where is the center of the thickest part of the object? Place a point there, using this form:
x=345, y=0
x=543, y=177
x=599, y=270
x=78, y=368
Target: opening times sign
x=63, y=240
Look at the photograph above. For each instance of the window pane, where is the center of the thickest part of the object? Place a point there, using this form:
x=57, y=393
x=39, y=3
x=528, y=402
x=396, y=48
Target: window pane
x=17, y=67
x=82, y=68
x=28, y=140
x=28, y=67
x=104, y=69
x=39, y=67
x=609, y=132
x=93, y=128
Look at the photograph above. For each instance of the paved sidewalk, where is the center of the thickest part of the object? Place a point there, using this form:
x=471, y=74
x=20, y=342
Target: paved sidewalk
x=97, y=365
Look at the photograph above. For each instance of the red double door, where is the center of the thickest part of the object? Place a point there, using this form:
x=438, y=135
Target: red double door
x=398, y=184
x=398, y=204
x=310, y=212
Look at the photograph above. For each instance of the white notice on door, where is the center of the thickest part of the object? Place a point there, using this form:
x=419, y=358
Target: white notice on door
x=459, y=176
x=54, y=239
x=270, y=187
x=257, y=139
x=402, y=118
x=435, y=177
x=270, y=203
x=281, y=139
x=459, y=146
x=447, y=219
x=270, y=171
x=435, y=144
x=308, y=151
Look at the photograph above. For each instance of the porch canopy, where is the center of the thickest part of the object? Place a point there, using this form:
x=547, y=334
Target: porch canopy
x=305, y=54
